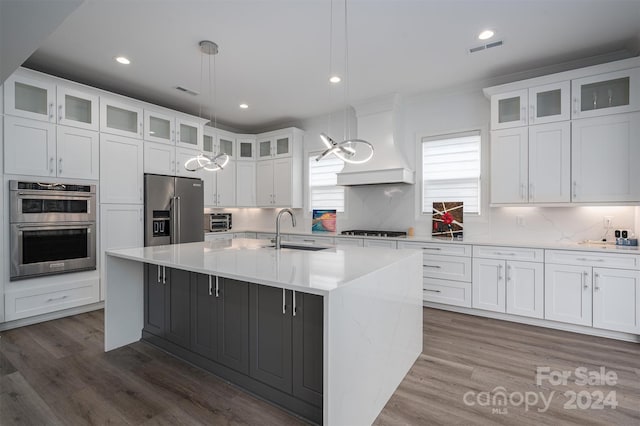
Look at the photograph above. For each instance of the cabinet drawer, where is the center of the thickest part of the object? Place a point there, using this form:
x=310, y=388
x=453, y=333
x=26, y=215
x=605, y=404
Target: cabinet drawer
x=448, y=292
x=218, y=236
x=42, y=300
x=447, y=267
x=585, y=258
x=454, y=249
x=349, y=242
x=310, y=239
x=392, y=244
x=509, y=253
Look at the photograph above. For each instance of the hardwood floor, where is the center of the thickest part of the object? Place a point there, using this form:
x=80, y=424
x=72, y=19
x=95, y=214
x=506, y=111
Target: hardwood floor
x=56, y=373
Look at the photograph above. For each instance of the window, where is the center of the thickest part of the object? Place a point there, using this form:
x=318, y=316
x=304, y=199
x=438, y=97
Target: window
x=324, y=193
x=451, y=170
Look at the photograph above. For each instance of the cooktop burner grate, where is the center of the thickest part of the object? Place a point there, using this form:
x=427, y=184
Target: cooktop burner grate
x=374, y=233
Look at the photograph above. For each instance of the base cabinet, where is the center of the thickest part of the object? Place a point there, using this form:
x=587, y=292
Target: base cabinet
x=616, y=300
x=266, y=339
x=568, y=294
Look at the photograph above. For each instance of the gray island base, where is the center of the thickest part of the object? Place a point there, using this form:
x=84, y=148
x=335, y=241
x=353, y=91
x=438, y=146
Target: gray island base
x=327, y=335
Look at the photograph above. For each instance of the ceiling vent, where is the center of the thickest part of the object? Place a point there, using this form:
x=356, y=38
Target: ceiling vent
x=189, y=91
x=486, y=46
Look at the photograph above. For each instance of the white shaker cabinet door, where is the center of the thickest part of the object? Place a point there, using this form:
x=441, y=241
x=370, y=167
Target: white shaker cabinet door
x=525, y=289
x=29, y=147
x=282, y=185
x=509, y=158
x=264, y=183
x=121, y=169
x=550, y=163
x=78, y=153
x=226, y=185
x=28, y=97
x=159, y=158
x=489, y=284
x=246, y=184
x=616, y=300
x=567, y=294
x=604, y=158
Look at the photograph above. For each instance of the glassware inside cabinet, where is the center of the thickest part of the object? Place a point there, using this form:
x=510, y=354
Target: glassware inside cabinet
x=605, y=94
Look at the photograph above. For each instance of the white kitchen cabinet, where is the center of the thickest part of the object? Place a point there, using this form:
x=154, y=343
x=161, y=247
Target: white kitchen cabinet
x=509, y=166
x=245, y=147
x=489, y=289
x=121, y=169
x=159, y=127
x=226, y=144
x=189, y=133
x=159, y=158
x=278, y=144
x=616, y=300
x=29, y=147
x=245, y=184
x=279, y=183
x=509, y=109
x=78, y=153
x=446, y=267
x=30, y=97
x=38, y=148
x=549, y=103
x=525, y=289
x=392, y=244
x=220, y=187
x=311, y=239
x=77, y=108
x=121, y=118
x=121, y=226
x=604, y=159
x=349, y=242
x=550, y=163
x=567, y=294
x=212, y=236
x=609, y=93
x=182, y=156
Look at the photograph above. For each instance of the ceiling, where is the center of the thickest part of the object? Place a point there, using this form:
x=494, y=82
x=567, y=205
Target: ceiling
x=274, y=54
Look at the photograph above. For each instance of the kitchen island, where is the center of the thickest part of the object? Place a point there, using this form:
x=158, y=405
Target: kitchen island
x=328, y=335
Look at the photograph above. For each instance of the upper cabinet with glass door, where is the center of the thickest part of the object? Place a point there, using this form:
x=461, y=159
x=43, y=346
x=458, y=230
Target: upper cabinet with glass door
x=610, y=93
x=245, y=147
x=225, y=144
x=77, y=108
x=121, y=118
x=159, y=127
x=189, y=132
x=274, y=145
x=29, y=97
x=509, y=110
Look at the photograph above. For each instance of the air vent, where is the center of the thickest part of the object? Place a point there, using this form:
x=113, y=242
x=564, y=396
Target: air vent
x=189, y=91
x=486, y=46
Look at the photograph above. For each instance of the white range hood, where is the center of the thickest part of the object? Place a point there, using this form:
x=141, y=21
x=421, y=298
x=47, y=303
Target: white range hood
x=388, y=166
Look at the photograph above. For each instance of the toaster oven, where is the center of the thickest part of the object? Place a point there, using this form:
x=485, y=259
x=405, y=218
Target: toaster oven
x=218, y=222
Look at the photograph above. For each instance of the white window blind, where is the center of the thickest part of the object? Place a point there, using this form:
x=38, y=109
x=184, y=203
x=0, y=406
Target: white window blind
x=451, y=170
x=324, y=193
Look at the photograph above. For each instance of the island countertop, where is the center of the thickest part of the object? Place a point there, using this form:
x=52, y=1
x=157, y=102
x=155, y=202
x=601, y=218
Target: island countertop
x=317, y=272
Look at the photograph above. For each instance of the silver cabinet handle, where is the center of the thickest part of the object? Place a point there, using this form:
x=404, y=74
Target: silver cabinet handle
x=50, y=111
x=173, y=136
x=509, y=273
x=309, y=241
x=284, y=303
x=60, y=113
x=500, y=272
x=53, y=299
x=294, y=303
x=51, y=165
x=575, y=105
x=585, y=275
x=433, y=291
x=432, y=266
x=140, y=127
x=164, y=275
x=499, y=253
x=159, y=275
x=595, y=281
x=575, y=185
x=210, y=286
x=59, y=165
x=217, y=287
x=431, y=248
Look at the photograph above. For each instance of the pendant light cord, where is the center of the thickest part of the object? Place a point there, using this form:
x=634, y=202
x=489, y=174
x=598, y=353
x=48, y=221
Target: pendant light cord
x=347, y=128
x=330, y=60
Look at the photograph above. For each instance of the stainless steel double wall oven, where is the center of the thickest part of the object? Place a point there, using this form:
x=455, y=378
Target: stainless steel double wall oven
x=53, y=228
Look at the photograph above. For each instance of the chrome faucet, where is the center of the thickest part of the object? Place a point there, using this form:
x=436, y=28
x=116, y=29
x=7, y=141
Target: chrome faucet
x=293, y=221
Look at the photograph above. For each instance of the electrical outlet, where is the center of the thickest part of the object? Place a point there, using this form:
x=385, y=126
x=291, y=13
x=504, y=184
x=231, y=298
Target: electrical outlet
x=607, y=221
x=520, y=221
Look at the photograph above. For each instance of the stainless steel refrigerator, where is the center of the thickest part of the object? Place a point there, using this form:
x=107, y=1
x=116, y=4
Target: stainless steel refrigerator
x=173, y=209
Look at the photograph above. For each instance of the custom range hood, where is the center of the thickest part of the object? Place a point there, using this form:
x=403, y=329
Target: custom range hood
x=376, y=124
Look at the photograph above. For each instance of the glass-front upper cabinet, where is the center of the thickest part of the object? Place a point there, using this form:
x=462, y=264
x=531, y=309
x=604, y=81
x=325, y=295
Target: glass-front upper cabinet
x=225, y=144
x=245, y=147
x=159, y=127
x=208, y=141
x=549, y=103
x=120, y=118
x=274, y=147
x=30, y=98
x=264, y=148
x=188, y=133
x=509, y=110
x=77, y=108
x=603, y=94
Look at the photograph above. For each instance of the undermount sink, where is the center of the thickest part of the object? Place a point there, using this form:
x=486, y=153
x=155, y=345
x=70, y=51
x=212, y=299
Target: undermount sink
x=299, y=247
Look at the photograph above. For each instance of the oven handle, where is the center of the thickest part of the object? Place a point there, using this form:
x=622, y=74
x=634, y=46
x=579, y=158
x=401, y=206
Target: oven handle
x=50, y=196
x=64, y=225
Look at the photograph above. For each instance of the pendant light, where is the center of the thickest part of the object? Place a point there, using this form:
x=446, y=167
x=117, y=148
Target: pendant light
x=350, y=150
x=202, y=161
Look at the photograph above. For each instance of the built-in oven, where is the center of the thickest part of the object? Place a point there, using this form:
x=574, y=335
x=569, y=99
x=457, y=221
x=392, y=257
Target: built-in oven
x=52, y=228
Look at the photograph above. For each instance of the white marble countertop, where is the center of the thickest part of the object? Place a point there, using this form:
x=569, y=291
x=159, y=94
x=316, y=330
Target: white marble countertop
x=317, y=272
x=562, y=245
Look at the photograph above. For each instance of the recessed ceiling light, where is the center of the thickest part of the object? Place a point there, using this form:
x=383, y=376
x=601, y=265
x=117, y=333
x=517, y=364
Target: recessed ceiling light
x=122, y=60
x=244, y=106
x=485, y=35
x=335, y=79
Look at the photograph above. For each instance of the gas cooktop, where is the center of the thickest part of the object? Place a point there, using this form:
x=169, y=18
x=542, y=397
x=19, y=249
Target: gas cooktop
x=370, y=233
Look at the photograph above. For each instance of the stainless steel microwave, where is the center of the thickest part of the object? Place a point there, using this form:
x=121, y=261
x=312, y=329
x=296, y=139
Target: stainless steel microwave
x=218, y=222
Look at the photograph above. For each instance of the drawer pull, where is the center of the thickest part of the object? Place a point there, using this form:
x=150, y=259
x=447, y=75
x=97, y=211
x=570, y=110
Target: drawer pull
x=585, y=259
x=499, y=253
x=431, y=248
x=53, y=299
x=309, y=241
x=432, y=266
x=433, y=291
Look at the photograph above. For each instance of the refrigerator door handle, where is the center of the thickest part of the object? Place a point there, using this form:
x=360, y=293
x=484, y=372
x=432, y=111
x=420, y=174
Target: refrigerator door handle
x=173, y=205
x=177, y=215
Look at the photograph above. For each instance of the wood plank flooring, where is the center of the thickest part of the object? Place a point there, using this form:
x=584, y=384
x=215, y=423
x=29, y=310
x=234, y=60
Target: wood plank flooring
x=56, y=373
